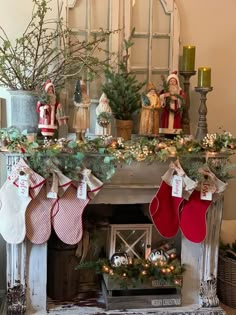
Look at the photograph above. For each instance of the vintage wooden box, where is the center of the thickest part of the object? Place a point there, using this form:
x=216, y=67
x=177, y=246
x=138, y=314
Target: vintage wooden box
x=150, y=294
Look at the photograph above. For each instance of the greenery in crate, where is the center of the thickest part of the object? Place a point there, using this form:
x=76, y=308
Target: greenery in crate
x=139, y=271
x=46, y=49
x=122, y=88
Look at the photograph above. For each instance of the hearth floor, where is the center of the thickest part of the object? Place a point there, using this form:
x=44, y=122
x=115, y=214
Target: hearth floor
x=95, y=305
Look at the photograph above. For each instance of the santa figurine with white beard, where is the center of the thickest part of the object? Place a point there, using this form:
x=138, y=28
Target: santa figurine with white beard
x=172, y=104
x=103, y=107
x=46, y=107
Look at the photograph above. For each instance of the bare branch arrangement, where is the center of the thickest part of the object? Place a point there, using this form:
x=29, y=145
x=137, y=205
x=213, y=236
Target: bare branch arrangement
x=47, y=49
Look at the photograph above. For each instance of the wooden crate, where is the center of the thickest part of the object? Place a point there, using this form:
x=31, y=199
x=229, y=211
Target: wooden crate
x=149, y=294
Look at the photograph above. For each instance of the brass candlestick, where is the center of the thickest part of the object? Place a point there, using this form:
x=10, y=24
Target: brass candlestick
x=185, y=115
x=202, y=121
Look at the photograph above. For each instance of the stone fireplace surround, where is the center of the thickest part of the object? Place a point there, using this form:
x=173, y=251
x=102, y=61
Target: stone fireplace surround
x=27, y=263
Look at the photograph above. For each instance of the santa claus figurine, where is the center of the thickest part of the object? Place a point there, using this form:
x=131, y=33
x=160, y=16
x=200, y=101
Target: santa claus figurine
x=47, y=108
x=149, y=119
x=103, y=113
x=172, y=100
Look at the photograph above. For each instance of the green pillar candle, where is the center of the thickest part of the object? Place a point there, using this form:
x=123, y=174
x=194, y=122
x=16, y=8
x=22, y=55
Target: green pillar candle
x=188, y=61
x=204, y=77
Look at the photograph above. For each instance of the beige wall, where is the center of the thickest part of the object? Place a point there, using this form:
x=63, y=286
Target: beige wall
x=15, y=15
x=210, y=25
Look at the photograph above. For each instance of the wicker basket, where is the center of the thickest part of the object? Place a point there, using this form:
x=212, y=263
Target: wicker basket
x=226, y=281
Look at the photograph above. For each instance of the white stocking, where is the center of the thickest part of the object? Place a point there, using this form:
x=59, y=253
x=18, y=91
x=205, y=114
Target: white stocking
x=13, y=206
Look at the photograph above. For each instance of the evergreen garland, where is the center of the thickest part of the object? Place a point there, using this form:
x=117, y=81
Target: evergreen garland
x=70, y=156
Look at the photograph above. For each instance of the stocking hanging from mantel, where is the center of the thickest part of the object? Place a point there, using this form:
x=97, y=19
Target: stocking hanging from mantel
x=164, y=207
x=38, y=213
x=21, y=186
x=67, y=212
x=193, y=213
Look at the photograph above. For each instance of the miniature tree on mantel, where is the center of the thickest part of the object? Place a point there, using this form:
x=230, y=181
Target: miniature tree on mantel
x=122, y=88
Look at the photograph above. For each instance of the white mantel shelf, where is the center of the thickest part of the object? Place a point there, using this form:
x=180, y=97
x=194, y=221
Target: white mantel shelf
x=137, y=183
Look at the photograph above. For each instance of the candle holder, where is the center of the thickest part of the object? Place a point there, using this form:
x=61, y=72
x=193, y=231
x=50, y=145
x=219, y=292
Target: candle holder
x=202, y=121
x=185, y=115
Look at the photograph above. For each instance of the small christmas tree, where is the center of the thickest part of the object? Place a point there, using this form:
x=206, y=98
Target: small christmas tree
x=122, y=88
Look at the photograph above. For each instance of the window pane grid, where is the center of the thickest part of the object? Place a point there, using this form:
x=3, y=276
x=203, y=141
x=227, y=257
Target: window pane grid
x=156, y=63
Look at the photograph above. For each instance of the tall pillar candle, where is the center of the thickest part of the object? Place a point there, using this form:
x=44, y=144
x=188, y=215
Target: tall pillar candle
x=188, y=61
x=204, y=77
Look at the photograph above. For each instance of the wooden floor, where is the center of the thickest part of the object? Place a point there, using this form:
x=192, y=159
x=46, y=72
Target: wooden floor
x=228, y=310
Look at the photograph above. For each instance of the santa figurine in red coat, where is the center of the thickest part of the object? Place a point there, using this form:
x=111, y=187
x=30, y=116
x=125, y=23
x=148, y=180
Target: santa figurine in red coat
x=171, y=104
x=47, y=107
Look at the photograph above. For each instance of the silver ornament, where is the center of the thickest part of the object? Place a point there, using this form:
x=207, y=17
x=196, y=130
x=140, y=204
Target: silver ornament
x=118, y=259
x=158, y=255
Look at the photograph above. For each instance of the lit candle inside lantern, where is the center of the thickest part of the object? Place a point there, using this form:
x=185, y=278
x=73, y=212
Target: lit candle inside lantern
x=204, y=77
x=188, y=61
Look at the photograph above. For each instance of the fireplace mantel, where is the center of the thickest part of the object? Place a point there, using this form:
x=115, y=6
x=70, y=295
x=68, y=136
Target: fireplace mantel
x=137, y=183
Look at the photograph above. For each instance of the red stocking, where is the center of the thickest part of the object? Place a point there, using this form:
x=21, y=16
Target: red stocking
x=164, y=208
x=164, y=211
x=193, y=218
